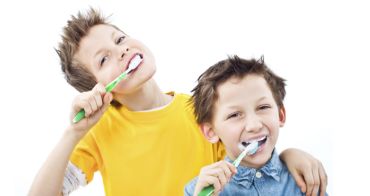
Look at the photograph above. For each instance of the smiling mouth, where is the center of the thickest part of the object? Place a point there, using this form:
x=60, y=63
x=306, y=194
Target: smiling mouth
x=260, y=141
x=134, y=62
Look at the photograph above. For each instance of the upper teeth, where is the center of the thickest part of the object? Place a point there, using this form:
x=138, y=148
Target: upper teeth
x=257, y=140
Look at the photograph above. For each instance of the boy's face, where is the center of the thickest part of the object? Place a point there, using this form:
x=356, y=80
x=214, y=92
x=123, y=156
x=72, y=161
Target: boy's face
x=245, y=111
x=106, y=53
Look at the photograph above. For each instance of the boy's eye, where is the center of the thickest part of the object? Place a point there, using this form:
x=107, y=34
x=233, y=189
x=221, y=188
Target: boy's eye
x=233, y=115
x=264, y=107
x=120, y=39
x=103, y=60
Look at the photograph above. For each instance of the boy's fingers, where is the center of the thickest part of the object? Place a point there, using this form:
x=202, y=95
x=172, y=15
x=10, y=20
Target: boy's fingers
x=98, y=99
x=207, y=180
x=93, y=104
x=214, y=165
x=100, y=88
x=77, y=103
x=86, y=106
x=323, y=180
x=215, y=182
x=220, y=174
x=316, y=184
x=96, y=96
x=299, y=180
x=309, y=182
x=227, y=173
x=227, y=170
x=231, y=167
x=107, y=99
x=99, y=93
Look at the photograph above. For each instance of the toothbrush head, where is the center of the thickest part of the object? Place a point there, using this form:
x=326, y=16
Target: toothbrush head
x=134, y=63
x=250, y=148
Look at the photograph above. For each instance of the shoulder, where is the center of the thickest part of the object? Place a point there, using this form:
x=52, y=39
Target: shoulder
x=112, y=114
x=185, y=98
x=185, y=101
x=290, y=185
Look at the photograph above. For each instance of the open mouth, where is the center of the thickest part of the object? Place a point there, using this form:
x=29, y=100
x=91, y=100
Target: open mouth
x=260, y=141
x=134, y=62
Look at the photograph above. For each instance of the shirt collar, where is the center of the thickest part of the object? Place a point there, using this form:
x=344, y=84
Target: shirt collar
x=245, y=175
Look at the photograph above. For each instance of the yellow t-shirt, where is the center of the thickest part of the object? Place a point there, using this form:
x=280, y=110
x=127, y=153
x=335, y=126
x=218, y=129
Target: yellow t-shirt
x=146, y=153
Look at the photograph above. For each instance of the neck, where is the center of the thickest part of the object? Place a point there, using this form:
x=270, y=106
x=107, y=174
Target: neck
x=147, y=97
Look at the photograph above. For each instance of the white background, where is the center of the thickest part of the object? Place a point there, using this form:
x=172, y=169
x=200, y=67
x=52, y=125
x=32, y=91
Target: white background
x=320, y=47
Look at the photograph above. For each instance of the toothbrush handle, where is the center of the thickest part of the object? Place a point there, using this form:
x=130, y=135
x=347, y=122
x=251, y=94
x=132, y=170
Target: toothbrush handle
x=207, y=191
x=79, y=116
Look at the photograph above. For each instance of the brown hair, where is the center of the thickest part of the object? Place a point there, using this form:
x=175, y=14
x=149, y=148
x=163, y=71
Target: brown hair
x=205, y=92
x=76, y=29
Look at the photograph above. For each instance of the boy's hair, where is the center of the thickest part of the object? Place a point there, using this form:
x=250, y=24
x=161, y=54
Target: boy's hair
x=205, y=92
x=76, y=29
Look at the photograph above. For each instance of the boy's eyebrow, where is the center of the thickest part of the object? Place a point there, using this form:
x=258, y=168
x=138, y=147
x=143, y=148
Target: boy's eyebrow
x=262, y=98
x=101, y=50
x=237, y=106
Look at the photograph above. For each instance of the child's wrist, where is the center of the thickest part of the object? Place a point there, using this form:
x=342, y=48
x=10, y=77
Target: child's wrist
x=72, y=134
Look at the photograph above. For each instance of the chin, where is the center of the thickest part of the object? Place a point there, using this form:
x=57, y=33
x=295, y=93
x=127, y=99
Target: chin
x=260, y=158
x=144, y=73
x=136, y=84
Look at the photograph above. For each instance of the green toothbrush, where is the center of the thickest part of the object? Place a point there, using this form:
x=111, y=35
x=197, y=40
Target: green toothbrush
x=249, y=150
x=133, y=64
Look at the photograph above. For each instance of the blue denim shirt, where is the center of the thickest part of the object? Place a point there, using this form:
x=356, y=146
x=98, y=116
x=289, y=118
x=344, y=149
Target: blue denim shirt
x=272, y=179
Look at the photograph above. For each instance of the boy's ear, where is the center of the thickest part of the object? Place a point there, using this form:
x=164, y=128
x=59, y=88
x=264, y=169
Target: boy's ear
x=282, y=116
x=209, y=133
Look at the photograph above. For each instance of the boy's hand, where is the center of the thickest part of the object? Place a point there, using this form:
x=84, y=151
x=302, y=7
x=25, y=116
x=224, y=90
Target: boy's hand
x=216, y=174
x=308, y=172
x=94, y=102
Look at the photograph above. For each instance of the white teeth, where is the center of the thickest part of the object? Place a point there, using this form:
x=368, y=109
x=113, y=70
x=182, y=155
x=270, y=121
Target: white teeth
x=262, y=138
x=241, y=146
x=256, y=140
x=134, y=62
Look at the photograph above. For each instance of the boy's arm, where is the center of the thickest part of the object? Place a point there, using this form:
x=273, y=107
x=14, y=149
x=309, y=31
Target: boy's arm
x=308, y=172
x=49, y=179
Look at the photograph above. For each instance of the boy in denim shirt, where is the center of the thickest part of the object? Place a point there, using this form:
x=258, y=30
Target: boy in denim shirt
x=239, y=101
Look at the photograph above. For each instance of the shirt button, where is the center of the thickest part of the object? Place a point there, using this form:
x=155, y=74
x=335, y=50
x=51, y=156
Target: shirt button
x=258, y=174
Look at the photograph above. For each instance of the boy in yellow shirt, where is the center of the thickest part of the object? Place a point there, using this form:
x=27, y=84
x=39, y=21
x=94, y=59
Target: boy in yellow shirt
x=143, y=141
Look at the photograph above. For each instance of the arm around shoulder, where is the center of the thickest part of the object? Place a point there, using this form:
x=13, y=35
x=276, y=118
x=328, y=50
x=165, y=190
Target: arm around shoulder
x=307, y=171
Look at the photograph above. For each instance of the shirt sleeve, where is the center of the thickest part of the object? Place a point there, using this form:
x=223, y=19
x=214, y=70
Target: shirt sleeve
x=190, y=187
x=73, y=178
x=86, y=156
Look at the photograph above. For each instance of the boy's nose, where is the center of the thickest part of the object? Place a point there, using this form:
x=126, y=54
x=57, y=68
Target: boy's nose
x=124, y=51
x=253, y=124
